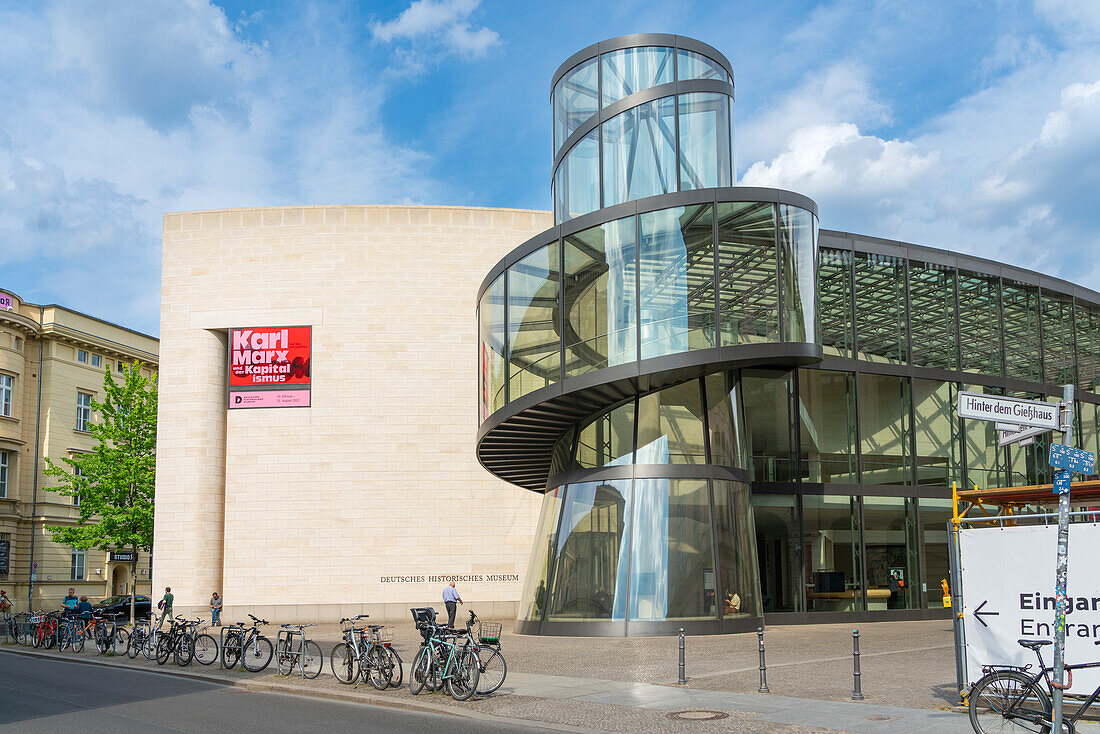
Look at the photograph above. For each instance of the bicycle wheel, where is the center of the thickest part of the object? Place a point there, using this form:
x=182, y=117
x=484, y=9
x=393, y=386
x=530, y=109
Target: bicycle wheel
x=396, y=674
x=120, y=642
x=345, y=666
x=257, y=654
x=378, y=671
x=286, y=657
x=164, y=649
x=102, y=640
x=421, y=671
x=1007, y=701
x=50, y=639
x=149, y=646
x=231, y=653
x=491, y=672
x=77, y=641
x=137, y=640
x=464, y=676
x=206, y=649
x=185, y=650
x=312, y=659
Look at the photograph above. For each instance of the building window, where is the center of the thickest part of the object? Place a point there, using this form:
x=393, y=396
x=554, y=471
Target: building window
x=77, y=472
x=83, y=411
x=81, y=356
x=95, y=360
x=3, y=473
x=120, y=366
x=6, y=382
x=77, y=568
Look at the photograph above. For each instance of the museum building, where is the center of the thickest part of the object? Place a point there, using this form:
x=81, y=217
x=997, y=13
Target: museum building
x=690, y=407
x=732, y=416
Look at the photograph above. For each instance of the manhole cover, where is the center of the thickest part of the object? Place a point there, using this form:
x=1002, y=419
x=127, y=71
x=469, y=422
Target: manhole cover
x=698, y=715
x=879, y=717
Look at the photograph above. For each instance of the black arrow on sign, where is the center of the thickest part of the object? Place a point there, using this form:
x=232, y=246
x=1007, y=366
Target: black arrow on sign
x=978, y=613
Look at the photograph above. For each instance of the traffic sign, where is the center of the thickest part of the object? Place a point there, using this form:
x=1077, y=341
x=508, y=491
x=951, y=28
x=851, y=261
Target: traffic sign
x=1067, y=457
x=34, y=566
x=1018, y=434
x=1061, y=481
x=1009, y=410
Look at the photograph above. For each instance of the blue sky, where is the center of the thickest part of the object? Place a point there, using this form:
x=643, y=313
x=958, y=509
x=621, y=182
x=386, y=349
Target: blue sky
x=974, y=129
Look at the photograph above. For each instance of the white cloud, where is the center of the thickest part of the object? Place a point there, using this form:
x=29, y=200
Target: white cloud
x=92, y=155
x=836, y=160
x=1009, y=171
x=442, y=22
x=840, y=93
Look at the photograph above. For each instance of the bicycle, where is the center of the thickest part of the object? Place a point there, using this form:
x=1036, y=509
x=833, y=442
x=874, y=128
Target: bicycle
x=441, y=661
x=366, y=648
x=492, y=668
x=247, y=646
x=293, y=649
x=138, y=636
x=1010, y=696
x=205, y=646
x=176, y=643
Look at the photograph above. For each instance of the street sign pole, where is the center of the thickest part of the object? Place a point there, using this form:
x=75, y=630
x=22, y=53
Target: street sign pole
x=1060, y=572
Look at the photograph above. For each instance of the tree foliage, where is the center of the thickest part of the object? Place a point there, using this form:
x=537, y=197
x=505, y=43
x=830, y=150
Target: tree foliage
x=115, y=480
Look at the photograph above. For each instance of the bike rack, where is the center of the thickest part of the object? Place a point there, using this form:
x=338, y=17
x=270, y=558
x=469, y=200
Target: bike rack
x=221, y=645
x=288, y=635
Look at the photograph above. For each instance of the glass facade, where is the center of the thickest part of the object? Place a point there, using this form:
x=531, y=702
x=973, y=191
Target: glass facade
x=491, y=361
x=631, y=70
x=881, y=308
x=639, y=152
x=534, y=350
x=643, y=550
x=685, y=492
x=679, y=142
x=576, y=98
x=577, y=180
x=748, y=275
x=676, y=267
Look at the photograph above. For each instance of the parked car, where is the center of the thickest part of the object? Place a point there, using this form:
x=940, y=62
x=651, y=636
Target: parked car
x=121, y=605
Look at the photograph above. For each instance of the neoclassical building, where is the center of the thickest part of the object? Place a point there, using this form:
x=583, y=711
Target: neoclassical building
x=52, y=361
x=732, y=416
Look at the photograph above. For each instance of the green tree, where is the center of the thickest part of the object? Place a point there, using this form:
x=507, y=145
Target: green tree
x=114, y=481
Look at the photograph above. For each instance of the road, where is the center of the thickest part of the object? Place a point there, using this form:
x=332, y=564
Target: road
x=38, y=695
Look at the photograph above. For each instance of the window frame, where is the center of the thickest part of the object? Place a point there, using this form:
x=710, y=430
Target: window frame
x=78, y=560
x=82, y=356
x=7, y=395
x=83, y=412
x=5, y=465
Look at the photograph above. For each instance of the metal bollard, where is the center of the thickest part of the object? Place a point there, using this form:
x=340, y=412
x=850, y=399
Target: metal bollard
x=763, y=668
x=683, y=675
x=857, y=691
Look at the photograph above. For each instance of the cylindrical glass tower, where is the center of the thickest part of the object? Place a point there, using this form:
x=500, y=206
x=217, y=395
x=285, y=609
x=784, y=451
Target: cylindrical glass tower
x=612, y=347
x=632, y=121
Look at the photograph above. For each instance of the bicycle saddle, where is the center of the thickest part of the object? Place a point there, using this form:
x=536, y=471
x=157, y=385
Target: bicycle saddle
x=1034, y=644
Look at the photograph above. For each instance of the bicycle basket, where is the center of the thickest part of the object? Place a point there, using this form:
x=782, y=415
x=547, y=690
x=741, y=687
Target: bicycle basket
x=489, y=633
x=384, y=635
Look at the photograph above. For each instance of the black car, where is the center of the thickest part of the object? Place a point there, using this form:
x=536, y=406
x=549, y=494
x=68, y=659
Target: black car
x=121, y=605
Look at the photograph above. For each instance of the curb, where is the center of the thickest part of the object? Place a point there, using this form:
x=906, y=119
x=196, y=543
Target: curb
x=253, y=686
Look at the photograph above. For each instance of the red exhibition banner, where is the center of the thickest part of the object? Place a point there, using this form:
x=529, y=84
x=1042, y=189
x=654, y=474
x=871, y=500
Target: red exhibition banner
x=270, y=358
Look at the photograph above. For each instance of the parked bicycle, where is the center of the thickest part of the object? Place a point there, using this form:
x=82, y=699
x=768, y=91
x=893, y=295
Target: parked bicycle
x=205, y=646
x=366, y=653
x=246, y=645
x=292, y=649
x=1012, y=698
x=447, y=657
x=492, y=668
x=176, y=643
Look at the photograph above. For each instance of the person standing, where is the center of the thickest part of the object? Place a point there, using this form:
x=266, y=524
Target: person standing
x=165, y=606
x=84, y=608
x=451, y=600
x=70, y=601
x=215, y=609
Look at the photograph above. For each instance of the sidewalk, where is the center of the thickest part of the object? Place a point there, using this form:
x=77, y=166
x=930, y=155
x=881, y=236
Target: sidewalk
x=629, y=685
